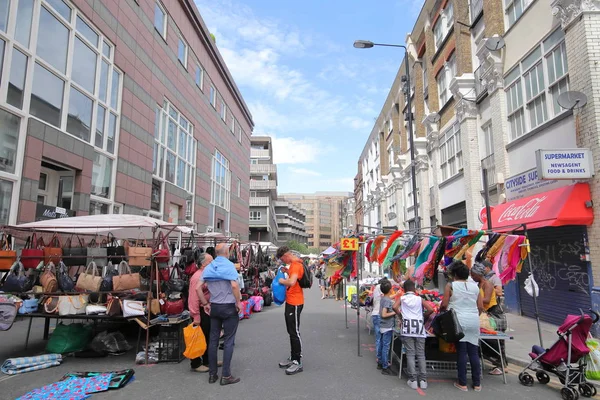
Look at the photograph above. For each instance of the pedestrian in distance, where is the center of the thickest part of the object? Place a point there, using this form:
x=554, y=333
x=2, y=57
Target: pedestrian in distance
x=386, y=326
x=221, y=278
x=464, y=298
x=376, y=319
x=410, y=306
x=294, y=303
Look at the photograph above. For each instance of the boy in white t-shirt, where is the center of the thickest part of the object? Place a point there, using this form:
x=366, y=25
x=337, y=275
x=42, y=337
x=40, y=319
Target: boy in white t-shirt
x=411, y=306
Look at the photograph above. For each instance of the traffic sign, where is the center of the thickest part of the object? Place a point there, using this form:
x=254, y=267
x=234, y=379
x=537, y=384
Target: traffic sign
x=349, y=244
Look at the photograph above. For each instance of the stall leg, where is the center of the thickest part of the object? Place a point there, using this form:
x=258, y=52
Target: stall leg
x=346, y=304
x=501, y=362
x=46, y=328
x=28, y=333
x=360, y=262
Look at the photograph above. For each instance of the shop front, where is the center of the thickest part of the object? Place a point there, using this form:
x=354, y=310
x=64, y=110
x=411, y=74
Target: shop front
x=556, y=222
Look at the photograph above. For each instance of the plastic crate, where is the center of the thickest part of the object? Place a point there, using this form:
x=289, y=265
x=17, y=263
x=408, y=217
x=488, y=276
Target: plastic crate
x=171, y=344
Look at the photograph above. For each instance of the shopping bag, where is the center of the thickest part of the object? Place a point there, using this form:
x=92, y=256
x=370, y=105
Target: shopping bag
x=195, y=342
x=278, y=289
x=74, y=256
x=593, y=360
x=139, y=255
x=53, y=252
x=447, y=327
x=69, y=338
x=531, y=286
x=32, y=253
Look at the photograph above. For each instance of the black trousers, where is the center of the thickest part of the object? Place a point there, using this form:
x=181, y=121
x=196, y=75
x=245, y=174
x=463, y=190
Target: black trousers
x=292, y=322
x=205, y=325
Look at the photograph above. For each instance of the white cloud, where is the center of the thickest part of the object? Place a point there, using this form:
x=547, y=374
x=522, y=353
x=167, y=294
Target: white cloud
x=357, y=123
x=288, y=150
x=304, y=171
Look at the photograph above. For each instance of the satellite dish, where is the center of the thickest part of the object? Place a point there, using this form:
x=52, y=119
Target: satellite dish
x=391, y=215
x=571, y=100
x=433, y=118
x=494, y=43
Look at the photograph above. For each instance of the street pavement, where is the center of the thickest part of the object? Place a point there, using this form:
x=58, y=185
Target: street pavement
x=332, y=369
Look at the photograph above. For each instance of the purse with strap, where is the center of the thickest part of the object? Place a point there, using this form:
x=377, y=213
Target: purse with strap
x=72, y=305
x=132, y=308
x=32, y=254
x=74, y=256
x=175, y=283
x=48, y=279
x=114, y=251
x=172, y=307
x=51, y=305
x=15, y=280
x=164, y=253
x=126, y=280
x=154, y=306
x=53, y=252
x=96, y=254
x=89, y=282
x=65, y=282
x=7, y=255
x=108, y=272
x=188, y=255
x=113, y=306
x=139, y=256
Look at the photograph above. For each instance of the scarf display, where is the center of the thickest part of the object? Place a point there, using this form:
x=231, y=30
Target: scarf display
x=390, y=242
x=377, y=243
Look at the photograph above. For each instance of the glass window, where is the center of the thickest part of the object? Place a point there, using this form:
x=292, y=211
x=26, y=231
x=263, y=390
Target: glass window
x=112, y=131
x=171, y=135
x=23, y=25
x=9, y=137
x=61, y=7
x=170, y=176
x=181, y=173
x=160, y=20
x=46, y=96
x=182, y=143
x=79, y=119
x=5, y=198
x=220, y=181
x=199, y=76
x=84, y=66
x=103, y=89
x=114, y=90
x=213, y=96
x=4, y=10
x=223, y=110
x=182, y=52
x=16, y=84
x=101, y=176
x=106, y=49
x=99, y=142
x=86, y=31
x=53, y=41
x=97, y=208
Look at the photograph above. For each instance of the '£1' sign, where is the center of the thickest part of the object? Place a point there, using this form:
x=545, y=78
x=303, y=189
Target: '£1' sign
x=349, y=244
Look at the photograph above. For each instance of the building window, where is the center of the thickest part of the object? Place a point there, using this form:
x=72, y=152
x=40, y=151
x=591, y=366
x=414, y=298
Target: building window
x=255, y=215
x=182, y=52
x=99, y=208
x=445, y=76
x=488, y=140
x=175, y=148
x=533, y=86
x=160, y=20
x=239, y=133
x=9, y=137
x=514, y=9
x=223, y=110
x=450, y=152
x=199, y=77
x=213, y=96
x=188, y=210
x=6, y=191
x=443, y=25
x=232, y=127
x=220, y=181
x=155, y=195
x=102, y=176
x=239, y=187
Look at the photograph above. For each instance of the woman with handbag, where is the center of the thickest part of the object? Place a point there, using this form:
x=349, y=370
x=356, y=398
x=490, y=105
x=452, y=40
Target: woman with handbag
x=464, y=298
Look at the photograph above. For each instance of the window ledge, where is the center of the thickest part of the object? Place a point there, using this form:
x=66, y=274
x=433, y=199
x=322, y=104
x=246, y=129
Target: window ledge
x=438, y=51
x=445, y=106
x=452, y=179
x=161, y=35
x=540, y=128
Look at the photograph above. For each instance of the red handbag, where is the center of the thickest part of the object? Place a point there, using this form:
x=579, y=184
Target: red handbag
x=172, y=307
x=32, y=254
x=191, y=269
x=164, y=254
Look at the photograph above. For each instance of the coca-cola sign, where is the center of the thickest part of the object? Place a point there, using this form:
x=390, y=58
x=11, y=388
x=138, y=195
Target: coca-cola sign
x=514, y=213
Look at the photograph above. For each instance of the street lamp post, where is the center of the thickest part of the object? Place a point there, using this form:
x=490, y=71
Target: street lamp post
x=365, y=44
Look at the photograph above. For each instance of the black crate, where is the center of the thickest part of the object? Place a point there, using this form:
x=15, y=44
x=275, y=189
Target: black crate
x=171, y=344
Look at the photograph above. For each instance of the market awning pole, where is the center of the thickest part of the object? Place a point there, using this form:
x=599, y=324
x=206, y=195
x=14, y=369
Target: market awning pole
x=535, y=305
x=346, y=303
x=358, y=272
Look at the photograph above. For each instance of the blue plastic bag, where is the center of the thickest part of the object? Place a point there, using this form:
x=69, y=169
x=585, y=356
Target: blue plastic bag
x=278, y=289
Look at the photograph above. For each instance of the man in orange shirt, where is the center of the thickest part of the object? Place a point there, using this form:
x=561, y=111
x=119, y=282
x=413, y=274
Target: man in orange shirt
x=294, y=302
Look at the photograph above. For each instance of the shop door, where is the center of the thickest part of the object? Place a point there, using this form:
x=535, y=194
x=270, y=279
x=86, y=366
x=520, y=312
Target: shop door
x=563, y=275
x=56, y=187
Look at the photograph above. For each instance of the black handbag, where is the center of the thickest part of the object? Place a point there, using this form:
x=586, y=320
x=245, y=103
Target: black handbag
x=74, y=256
x=15, y=280
x=114, y=252
x=108, y=272
x=175, y=284
x=188, y=255
x=65, y=282
x=447, y=327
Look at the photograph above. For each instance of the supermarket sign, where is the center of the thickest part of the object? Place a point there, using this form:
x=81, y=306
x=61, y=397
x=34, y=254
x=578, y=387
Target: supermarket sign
x=564, y=164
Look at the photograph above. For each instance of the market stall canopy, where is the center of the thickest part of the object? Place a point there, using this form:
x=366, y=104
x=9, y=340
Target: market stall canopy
x=121, y=225
x=569, y=205
x=329, y=251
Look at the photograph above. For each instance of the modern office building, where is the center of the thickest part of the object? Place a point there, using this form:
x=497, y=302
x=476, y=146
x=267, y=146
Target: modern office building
x=119, y=107
x=291, y=221
x=263, y=191
x=324, y=218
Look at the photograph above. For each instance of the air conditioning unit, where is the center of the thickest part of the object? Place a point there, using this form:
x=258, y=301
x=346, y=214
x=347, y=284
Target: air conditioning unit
x=210, y=229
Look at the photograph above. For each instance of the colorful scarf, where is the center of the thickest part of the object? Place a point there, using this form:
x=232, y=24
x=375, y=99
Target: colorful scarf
x=389, y=244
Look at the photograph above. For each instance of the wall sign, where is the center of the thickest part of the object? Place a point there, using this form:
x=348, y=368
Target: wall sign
x=43, y=212
x=565, y=164
x=528, y=183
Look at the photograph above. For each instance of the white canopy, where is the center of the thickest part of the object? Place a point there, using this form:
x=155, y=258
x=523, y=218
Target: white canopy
x=329, y=251
x=121, y=225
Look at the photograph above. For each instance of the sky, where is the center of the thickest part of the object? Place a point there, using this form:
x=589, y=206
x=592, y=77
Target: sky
x=305, y=84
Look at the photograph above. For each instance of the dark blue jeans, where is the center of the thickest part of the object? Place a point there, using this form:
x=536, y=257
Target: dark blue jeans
x=376, y=321
x=464, y=350
x=223, y=316
x=384, y=348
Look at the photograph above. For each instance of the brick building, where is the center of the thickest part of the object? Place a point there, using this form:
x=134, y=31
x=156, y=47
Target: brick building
x=119, y=107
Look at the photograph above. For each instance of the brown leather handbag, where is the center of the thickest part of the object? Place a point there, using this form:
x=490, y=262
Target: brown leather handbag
x=125, y=280
x=139, y=256
x=48, y=279
x=53, y=252
x=90, y=280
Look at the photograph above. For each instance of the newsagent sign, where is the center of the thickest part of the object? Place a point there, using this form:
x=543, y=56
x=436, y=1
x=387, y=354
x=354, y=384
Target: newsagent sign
x=565, y=164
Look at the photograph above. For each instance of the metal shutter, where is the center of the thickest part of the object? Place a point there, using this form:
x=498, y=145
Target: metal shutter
x=563, y=275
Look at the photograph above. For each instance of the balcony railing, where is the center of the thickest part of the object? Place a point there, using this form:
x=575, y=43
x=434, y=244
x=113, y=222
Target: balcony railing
x=259, y=201
x=489, y=165
x=262, y=185
x=476, y=9
x=259, y=153
x=263, y=169
x=480, y=88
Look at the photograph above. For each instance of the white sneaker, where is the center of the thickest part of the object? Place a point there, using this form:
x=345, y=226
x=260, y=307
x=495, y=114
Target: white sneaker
x=423, y=385
x=412, y=384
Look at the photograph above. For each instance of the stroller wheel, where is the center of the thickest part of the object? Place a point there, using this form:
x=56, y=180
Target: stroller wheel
x=526, y=379
x=568, y=393
x=542, y=377
x=586, y=390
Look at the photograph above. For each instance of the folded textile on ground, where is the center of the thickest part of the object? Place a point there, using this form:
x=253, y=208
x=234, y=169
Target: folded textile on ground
x=13, y=366
x=71, y=389
x=118, y=380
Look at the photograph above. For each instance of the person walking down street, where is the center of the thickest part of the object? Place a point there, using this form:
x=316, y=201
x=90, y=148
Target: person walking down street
x=464, y=298
x=376, y=319
x=322, y=279
x=294, y=303
x=221, y=278
x=410, y=307
x=199, y=316
x=387, y=314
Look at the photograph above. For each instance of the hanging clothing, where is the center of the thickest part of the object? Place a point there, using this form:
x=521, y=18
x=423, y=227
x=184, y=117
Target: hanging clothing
x=377, y=243
x=513, y=255
x=368, y=250
x=395, y=247
x=390, y=242
x=472, y=240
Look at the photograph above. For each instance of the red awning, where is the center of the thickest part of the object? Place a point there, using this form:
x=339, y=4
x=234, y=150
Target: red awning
x=562, y=206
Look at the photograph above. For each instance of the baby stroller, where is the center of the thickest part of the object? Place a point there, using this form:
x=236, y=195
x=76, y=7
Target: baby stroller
x=565, y=359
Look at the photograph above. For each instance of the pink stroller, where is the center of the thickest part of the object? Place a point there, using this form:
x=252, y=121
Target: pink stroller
x=559, y=359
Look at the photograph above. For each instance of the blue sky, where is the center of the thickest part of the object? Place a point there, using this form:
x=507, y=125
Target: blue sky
x=305, y=84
